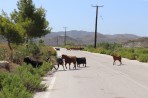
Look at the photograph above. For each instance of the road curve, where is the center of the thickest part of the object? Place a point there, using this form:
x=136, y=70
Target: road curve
x=100, y=79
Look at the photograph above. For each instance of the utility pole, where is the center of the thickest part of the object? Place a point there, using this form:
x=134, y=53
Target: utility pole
x=57, y=39
x=96, y=23
x=65, y=36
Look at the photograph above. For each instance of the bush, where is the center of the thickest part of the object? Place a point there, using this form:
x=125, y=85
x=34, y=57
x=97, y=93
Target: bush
x=2, y=77
x=143, y=58
x=12, y=87
x=20, y=52
x=130, y=50
x=44, y=68
x=52, y=51
x=102, y=51
x=131, y=56
x=108, y=46
x=23, y=82
x=142, y=50
x=2, y=53
x=33, y=80
x=33, y=48
x=108, y=52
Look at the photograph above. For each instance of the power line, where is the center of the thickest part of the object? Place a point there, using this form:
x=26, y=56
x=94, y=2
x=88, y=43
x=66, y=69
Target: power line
x=96, y=23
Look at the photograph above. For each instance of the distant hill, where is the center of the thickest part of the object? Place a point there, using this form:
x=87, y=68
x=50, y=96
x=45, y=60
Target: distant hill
x=84, y=37
x=140, y=42
x=59, y=40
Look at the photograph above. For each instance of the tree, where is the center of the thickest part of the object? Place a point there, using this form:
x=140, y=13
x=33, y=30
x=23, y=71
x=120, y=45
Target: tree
x=31, y=19
x=10, y=31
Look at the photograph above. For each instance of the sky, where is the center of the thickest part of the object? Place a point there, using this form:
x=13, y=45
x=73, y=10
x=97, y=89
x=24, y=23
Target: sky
x=116, y=17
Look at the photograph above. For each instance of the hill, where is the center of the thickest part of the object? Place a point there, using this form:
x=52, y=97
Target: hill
x=140, y=42
x=84, y=37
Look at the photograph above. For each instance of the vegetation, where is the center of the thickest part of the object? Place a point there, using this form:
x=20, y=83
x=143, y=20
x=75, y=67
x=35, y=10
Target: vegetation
x=24, y=24
x=31, y=19
x=10, y=31
x=24, y=80
x=140, y=54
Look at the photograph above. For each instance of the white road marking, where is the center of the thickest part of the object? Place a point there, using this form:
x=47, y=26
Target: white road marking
x=50, y=88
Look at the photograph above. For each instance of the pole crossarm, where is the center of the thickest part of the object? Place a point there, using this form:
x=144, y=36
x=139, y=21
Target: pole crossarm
x=98, y=6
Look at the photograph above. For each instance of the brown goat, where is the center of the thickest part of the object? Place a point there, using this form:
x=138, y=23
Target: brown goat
x=116, y=58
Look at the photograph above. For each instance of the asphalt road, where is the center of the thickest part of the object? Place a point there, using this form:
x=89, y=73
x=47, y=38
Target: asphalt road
x=100, y=79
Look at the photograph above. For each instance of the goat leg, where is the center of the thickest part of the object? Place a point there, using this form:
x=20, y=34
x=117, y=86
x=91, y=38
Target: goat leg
x=63, y=66
x=114, y=62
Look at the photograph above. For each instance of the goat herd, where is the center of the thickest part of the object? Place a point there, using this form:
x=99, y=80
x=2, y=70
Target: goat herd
x=65, y=59
x=60, y=61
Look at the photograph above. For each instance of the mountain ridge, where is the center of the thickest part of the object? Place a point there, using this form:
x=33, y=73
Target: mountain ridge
x=84, y=37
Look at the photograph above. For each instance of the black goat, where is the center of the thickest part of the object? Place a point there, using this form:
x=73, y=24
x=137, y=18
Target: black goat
x=81, y=60
x=34, y=63
x=60, y=62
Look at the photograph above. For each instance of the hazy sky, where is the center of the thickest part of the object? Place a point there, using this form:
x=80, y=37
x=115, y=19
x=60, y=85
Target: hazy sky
x=116, y=17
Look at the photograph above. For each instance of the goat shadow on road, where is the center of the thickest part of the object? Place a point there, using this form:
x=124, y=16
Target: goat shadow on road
x=82, y=67
x=67, y=70
x=120, y=65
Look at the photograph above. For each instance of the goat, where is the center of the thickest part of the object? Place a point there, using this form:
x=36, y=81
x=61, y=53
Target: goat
x=116, y=58
x=69, y=60
x=81, y=48
x=5, y=64
x=60, y=62
x=34, y=63
x=81, y=60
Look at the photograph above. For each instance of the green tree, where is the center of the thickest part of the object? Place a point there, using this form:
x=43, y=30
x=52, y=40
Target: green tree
x=31, y=19
x=10, y=31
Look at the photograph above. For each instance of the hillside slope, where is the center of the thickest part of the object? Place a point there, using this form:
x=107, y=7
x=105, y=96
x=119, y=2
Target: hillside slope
x=140, y=42
x=83, y=37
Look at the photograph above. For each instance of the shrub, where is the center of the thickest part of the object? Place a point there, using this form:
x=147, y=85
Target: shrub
x=20, y=52
x=25, y=80
x=143, y=58
x=52, y=51
x=141, y=50
x=3, y=54
x=2, y=77
x=33, y=48
x=44, y=68
x=33, y=80
x=108, y=46
x=131, y=56
x=102, y=51
x=108, y=52
x=130, y=50
x=12, y=87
